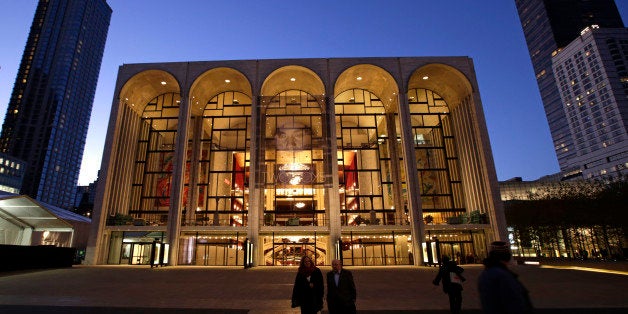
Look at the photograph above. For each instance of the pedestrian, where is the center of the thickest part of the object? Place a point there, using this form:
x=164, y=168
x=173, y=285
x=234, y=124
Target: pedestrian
x=308, y=289
x=341, y=293
x=451, y=276
x=500, y=290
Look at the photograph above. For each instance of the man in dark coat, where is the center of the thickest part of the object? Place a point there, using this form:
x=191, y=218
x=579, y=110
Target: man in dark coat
x=451, y=275
x=341, y=293
x=500, y=290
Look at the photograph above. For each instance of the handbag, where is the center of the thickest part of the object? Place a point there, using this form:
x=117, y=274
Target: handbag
x=455, y=278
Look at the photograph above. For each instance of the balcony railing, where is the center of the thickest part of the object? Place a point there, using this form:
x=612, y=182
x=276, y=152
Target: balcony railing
x=312, y=218
x=372, y=218
x=449, y=218
x=218, y=218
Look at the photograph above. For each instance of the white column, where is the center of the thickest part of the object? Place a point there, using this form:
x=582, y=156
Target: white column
x=332, y=203
x=393, y=154
x=194, y=168
x=412, y=180
x=94, y=251
x=176, y=191
x=256, y=189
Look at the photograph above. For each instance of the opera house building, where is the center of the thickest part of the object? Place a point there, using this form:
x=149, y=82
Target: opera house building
x=375, y=161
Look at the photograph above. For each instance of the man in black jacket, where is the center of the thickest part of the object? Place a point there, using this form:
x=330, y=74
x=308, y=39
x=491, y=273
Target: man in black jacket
x=451, y=275
x=341, y=292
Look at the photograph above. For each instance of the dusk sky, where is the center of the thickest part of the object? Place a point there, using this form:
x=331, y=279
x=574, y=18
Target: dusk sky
x=488, y=31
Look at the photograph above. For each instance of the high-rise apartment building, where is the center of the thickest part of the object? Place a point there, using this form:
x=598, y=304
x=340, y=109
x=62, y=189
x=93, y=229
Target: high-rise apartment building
x=592, y=80
x=49, y=110
x=549, y=25
x=11, y=174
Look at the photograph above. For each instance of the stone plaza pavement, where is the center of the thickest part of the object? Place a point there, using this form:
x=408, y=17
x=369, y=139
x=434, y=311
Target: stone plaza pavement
x=185, y=289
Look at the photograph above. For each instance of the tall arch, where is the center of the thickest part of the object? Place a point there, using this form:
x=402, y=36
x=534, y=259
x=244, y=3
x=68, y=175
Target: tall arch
x=448, y=82
x=292, y=165
x=445, y=111
x=214, y=82
x=146, y=85
x=292, y=77
x=370, y=172
x=141, y=91
x=372, y=78
x=139, y=102
x=217, y=161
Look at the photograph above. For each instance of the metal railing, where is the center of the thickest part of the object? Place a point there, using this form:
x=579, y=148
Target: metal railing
x=315, y=218
x=288, y=220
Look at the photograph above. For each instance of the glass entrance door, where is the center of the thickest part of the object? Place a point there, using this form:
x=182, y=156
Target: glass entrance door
x=219, y=254
x=460, y=252
x=370, y=254
x=288, y=250
x=137, y=253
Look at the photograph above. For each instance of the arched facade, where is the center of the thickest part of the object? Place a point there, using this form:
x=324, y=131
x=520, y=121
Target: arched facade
x=377, y=161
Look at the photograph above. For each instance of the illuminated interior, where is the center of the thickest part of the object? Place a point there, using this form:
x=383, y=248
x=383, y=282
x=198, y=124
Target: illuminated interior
x=293, y=160
x=367, y=187
x=293, y=163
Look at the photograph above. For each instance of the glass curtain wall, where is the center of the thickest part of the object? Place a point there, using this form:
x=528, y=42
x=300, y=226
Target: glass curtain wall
x=292, y=159
x=152, y=175
x=465, y=247
x=376, y=249
x=367, y=188
x=211, y=249
x=223, y=163
x=436, y=159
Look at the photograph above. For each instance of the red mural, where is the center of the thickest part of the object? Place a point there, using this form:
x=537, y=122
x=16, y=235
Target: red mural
x=164, y=181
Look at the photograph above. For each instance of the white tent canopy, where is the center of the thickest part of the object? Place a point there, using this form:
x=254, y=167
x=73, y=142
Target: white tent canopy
x=24, y=221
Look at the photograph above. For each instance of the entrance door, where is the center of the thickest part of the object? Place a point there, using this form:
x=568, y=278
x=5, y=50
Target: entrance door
x=288, y=251
x=370, y=254
x=218, y=254
x=290, y=254
x=460, y=252
x=140, y=253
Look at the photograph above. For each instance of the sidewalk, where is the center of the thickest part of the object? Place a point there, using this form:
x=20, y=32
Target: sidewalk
x=403, y=289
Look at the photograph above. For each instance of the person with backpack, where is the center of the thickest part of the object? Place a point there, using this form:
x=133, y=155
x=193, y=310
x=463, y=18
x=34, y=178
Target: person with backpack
x=451, y=276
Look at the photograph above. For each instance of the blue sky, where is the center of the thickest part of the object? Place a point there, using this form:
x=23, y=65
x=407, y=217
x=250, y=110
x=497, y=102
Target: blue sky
x=488, y=31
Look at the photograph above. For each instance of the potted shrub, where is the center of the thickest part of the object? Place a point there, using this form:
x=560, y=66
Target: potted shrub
x=119, y=220
x=268, y=219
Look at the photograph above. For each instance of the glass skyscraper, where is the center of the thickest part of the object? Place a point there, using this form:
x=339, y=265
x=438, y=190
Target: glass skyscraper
x=49, y=110
x=548, y=26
